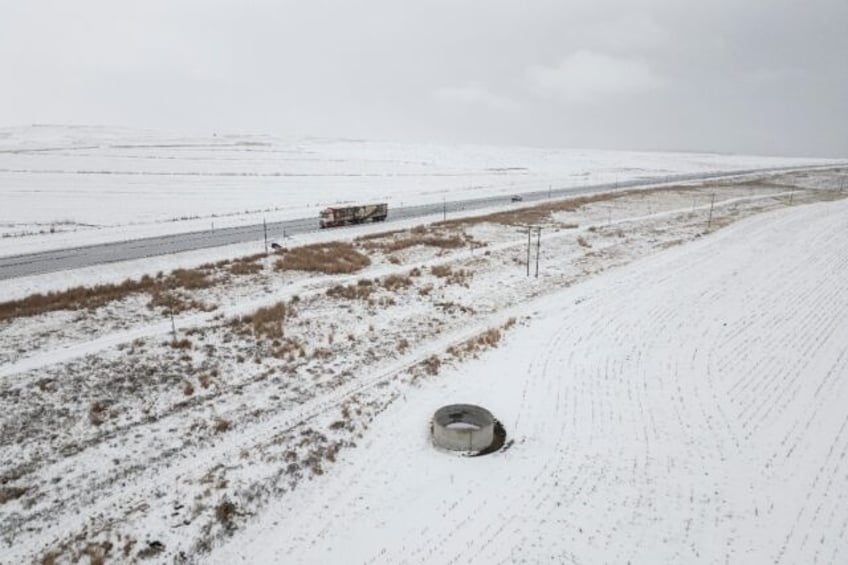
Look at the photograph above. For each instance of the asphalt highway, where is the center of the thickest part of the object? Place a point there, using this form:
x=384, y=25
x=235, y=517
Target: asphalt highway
x=78, y=257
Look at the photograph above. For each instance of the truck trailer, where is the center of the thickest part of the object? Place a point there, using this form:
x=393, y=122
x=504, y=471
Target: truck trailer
x=336, y=216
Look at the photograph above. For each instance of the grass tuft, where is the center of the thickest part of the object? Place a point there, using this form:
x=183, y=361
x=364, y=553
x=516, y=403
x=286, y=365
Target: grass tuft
x=329, y=258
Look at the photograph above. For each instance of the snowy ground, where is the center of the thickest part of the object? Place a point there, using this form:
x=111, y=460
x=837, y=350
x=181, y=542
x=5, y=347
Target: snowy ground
x=687, y=408
x=671, y=384
x=63, y=186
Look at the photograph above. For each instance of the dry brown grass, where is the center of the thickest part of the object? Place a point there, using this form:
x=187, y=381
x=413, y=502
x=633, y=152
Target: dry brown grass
x=189, y=279
x=98, y=412
x=427, y=236
x=239, y=268
x=450, y=276
x=184, y=343
x=267, y=321
x=11, y=493
x=486, y=340
x=225, y=512
x=50, y=558
x=432, y=365
x=396, y=282
x=175, y=302
x=440, y=271
x=332, y=258
x=221, y=425
x=541, y=213
x=90, y=297
x=97, y=552
x=362, y=290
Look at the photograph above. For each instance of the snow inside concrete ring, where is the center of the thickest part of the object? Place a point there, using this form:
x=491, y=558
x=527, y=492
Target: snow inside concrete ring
x=463, y=427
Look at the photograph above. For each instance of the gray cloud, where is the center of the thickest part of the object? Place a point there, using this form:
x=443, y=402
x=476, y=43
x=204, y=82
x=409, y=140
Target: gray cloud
x=591, y=77
x=761, y=76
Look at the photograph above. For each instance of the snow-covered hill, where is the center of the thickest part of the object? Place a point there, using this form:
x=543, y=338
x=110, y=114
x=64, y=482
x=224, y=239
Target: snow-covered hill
x=81, y=185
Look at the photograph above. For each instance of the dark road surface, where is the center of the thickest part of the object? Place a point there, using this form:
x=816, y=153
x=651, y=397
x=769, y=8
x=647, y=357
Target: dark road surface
x=78, y=257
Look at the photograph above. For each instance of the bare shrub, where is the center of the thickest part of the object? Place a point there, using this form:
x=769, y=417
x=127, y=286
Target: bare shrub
x=362, y=290
x=329, y=258
x=175, y=302
x=402, y=345
x=243, y=267
x=128, y=546
x=190, y=279
x=396, y=282
x=432, y=365
x=392, y=242
x=581, y=241
x=267, y=321
x=459, y=277
x=225, y=512
x=394, y=260
x=184, y=343
x=440, y=271
x=50, y=558
x=221, y=425
x=204, y=380
x=97, y=552
x=45, y=384
x=97, y=412
x=11, y=493
x=321, y=353
x=188, y=389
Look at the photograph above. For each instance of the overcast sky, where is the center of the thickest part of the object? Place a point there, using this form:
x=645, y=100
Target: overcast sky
x=743, y=76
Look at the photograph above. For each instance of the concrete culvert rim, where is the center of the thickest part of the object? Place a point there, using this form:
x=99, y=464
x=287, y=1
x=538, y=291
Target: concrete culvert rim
x=467, y=429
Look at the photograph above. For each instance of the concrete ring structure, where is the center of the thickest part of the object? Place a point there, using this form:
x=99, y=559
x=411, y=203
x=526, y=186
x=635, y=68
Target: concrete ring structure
x=463, y=427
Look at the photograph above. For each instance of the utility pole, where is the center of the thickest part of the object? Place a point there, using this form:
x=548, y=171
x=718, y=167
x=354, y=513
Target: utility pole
x=171, y=313
x=538, y=248
x=265, y=231
x=529, y=229
x=710, y=220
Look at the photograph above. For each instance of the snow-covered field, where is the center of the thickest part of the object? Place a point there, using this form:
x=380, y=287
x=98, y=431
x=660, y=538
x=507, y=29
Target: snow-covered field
x=689, y=407
x=63, y=185
x=672, y=385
